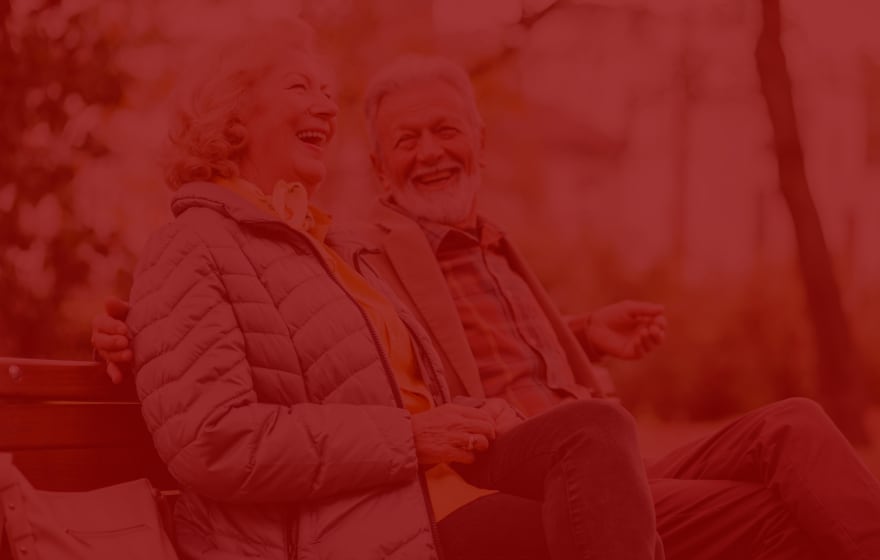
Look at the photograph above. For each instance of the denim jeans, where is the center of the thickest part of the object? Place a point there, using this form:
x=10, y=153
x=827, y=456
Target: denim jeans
x=780, y=483
x=572, y=485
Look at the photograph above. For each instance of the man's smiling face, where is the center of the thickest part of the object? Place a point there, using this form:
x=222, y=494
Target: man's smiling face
x=429, y=151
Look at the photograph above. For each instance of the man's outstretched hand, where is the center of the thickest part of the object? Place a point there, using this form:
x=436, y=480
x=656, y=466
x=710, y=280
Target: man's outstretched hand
x=627, y=329
x=110, y=337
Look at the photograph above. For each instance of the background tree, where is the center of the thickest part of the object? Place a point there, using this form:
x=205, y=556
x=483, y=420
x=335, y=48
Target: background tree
x=840, y=386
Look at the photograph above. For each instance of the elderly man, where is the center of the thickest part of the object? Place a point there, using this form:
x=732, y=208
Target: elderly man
x=781, y=482
x=759, y=488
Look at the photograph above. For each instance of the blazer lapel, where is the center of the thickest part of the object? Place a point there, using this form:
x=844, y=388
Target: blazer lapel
x=415, y=264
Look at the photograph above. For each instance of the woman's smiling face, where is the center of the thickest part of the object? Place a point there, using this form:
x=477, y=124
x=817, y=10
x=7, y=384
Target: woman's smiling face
x=292, y=118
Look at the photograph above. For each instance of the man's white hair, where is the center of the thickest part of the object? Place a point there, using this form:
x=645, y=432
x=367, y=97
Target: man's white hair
x=411, y=69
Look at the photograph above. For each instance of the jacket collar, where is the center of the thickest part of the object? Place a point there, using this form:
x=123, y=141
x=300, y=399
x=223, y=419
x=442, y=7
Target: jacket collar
x=221, y=199
x=238, y=207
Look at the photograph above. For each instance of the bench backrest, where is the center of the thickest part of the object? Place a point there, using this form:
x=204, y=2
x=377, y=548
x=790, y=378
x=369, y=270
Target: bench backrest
x=69, y=428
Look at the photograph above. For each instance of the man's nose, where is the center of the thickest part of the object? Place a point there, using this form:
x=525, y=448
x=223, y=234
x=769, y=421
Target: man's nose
x=429, y=149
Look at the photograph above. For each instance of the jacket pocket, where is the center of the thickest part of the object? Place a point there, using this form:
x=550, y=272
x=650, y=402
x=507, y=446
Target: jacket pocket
x=88, y=536
x=125, y=542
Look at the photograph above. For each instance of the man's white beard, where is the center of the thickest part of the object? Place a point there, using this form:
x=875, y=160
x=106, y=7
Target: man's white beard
x=451, y=206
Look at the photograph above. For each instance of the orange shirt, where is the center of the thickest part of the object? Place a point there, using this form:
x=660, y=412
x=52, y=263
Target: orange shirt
x=289, y=201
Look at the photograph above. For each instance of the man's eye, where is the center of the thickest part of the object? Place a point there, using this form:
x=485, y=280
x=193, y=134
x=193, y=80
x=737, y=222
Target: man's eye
x=406, y=142
x=448, y=132
x=297, y=87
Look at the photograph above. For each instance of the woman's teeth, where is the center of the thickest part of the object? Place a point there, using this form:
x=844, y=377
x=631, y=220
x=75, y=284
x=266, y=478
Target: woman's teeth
x=315, y=137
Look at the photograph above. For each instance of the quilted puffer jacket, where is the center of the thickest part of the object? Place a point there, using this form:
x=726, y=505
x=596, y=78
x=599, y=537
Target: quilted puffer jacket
x=269, y=396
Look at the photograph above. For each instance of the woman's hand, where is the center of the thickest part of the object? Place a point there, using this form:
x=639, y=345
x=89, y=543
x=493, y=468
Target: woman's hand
x=452, y=433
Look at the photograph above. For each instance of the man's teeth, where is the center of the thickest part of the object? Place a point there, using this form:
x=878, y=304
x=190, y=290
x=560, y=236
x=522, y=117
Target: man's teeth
x=312, y=136
x=435, y=176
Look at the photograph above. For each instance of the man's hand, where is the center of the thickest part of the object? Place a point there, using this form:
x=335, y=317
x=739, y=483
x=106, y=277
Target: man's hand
x=505, y=416
x=627, y=329
x=451, y=433
x=111, y=339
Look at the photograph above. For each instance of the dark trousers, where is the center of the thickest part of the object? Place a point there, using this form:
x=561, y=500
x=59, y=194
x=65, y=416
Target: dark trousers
x=779, y=483
x=785, y=460
x=572, y=485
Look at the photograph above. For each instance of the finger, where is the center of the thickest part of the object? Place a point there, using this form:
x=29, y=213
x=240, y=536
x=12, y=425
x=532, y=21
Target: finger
x=462, y=456
x=120, y=358
x=464, y=419
x=109, y=342
x=481, y=443
x=116, y=308
x=464, y=411
x=641, y=343
x=632, y=351
x=636, y=308
x=657, y=334
x=646, y=344
x=470, y=416
x=114, y=373
x=109, y=325
x=480, y=427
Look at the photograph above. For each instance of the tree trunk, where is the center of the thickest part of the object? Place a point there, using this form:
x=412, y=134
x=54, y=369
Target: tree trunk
x=840, y=382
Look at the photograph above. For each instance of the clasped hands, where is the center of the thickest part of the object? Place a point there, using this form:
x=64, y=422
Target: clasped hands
x=455, y=433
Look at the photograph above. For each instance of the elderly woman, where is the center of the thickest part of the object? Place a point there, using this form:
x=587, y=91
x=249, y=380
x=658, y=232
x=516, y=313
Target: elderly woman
x=301, y=409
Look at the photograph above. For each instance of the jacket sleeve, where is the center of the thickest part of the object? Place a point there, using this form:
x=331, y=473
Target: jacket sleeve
x=196, y=386
x=580, y=325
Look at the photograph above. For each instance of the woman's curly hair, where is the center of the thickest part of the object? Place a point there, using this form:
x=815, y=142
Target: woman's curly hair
x=208, y=136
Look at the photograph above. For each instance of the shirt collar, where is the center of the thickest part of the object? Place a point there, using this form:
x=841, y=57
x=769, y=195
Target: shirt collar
x=446, y=237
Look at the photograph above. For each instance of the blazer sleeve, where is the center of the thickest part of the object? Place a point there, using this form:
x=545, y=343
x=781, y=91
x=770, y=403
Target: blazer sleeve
x=195, y=383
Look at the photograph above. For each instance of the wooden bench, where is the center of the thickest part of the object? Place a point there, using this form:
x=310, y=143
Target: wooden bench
x=69, y=427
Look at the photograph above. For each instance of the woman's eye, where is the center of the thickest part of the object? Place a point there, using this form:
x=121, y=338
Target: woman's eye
x=297, y=87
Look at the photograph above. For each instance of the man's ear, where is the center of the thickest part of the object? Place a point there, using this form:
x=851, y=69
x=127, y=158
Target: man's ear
x=379, y=171
x=482, y=145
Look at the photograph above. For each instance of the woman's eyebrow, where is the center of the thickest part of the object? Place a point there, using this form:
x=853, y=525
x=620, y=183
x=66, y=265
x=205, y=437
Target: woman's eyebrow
x=292, y=75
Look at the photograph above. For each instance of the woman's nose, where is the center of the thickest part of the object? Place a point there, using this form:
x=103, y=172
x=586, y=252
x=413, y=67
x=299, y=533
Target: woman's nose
x=324, y=107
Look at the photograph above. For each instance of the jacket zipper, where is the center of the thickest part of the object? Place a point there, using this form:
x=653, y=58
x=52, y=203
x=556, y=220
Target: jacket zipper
x=399, y=400
x=428, y=365
x=289, y=538
x=386, y=363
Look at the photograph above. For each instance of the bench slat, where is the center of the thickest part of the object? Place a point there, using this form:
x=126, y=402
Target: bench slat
x=35, y=425
x=61, y=380
x=87, y=469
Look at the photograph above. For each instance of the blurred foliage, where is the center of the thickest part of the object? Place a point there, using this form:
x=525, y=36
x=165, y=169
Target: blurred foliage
x=617, y=130
x=54, y=66
x=732, y=344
